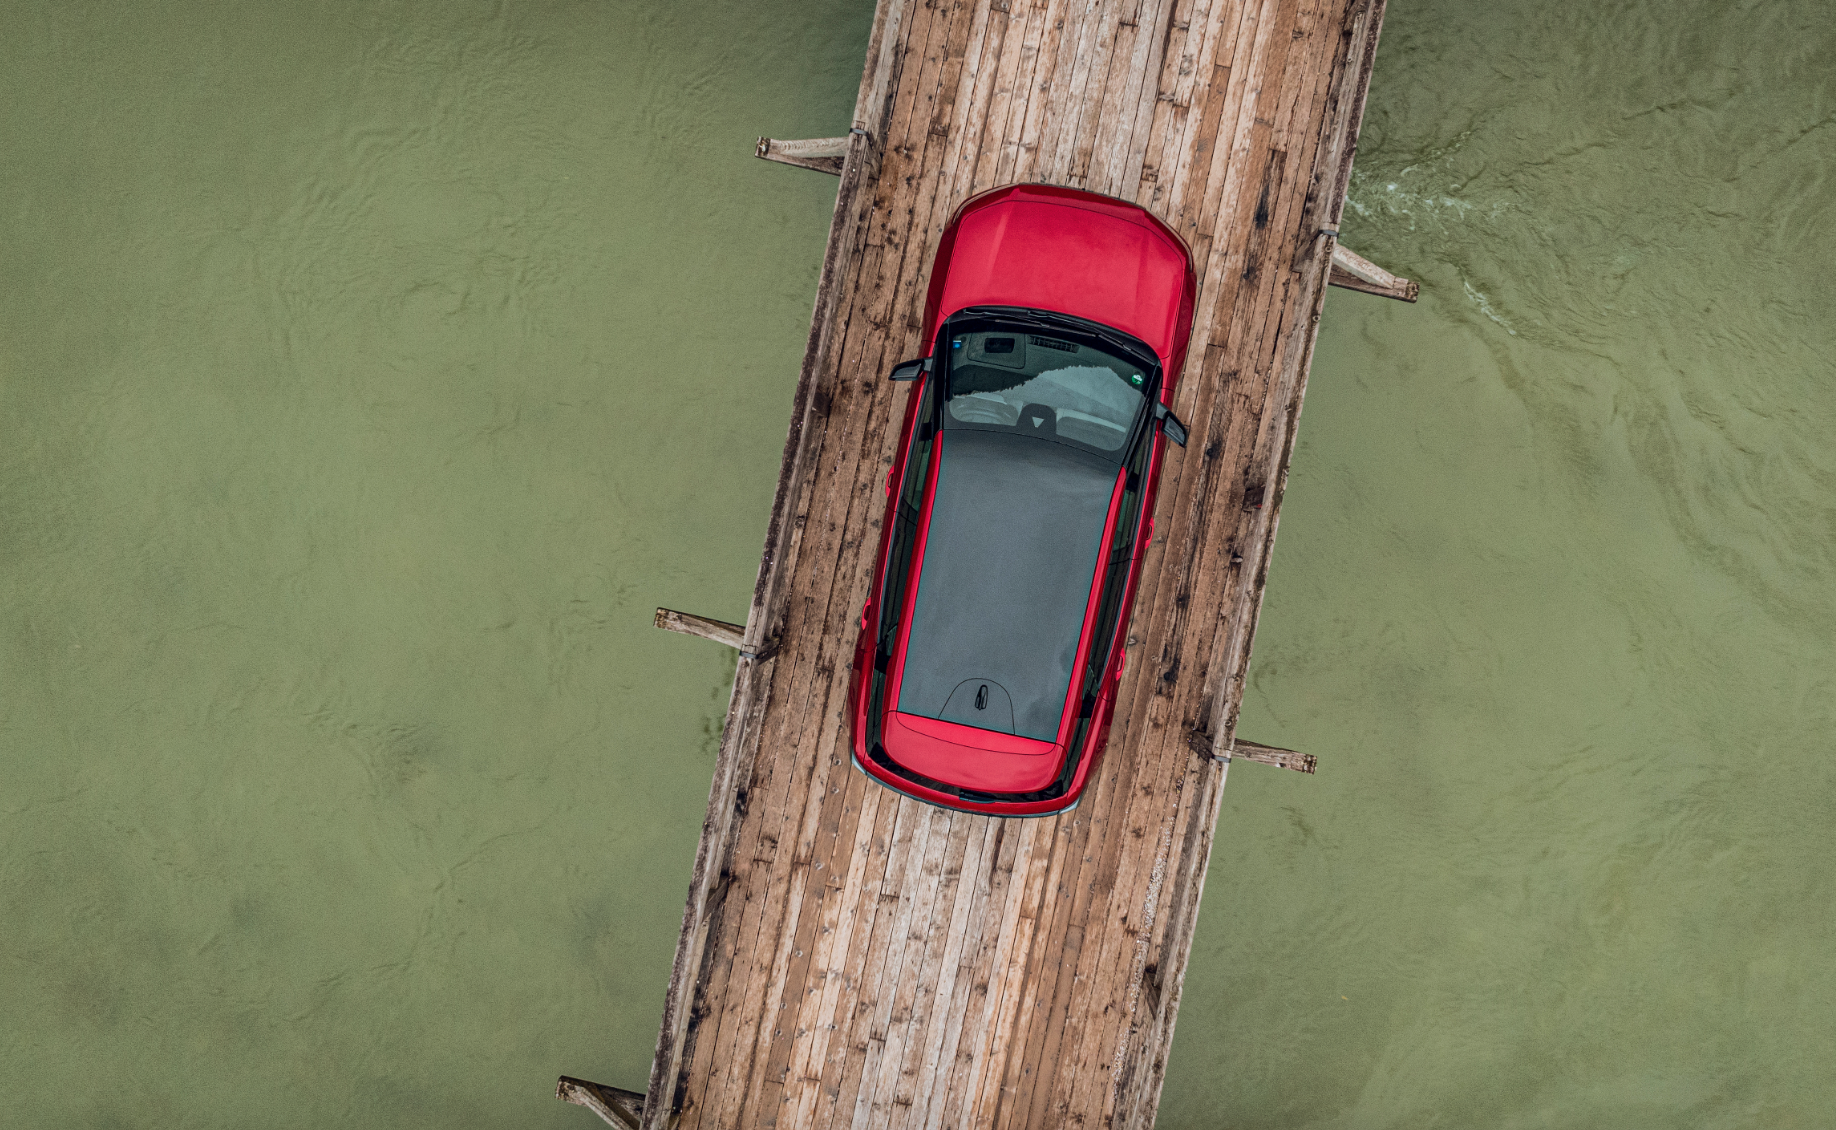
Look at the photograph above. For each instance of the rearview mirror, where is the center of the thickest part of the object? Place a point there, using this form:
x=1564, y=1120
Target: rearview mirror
x=911, y=370
x=1169, y=423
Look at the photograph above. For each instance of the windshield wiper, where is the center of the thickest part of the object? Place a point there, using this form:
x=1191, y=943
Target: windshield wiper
x=1066, y=323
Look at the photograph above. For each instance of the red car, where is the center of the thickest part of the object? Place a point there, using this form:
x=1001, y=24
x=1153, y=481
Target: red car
x=1020, y=502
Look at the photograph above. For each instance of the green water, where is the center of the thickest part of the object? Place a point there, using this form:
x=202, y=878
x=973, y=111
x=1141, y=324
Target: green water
x=368, y=372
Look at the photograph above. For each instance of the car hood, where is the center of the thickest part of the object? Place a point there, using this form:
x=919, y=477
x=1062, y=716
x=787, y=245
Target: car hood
x=1072, y=253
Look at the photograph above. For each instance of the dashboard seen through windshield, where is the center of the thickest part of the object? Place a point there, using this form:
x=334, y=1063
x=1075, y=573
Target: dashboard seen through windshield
x=1043, y=386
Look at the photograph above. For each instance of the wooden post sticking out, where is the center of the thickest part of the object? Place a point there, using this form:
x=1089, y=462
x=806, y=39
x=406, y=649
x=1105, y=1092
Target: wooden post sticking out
x=733, y=635
x=1354, y=272
x=1270, y=755
x=1201, y=743
x=620, y=1108
x=824, y=154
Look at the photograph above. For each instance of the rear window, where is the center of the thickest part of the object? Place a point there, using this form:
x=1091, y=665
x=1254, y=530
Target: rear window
x=1051, y=388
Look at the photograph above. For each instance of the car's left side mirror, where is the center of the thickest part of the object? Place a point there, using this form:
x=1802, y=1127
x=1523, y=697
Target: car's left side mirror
x=911, y=370
x=1170, y=424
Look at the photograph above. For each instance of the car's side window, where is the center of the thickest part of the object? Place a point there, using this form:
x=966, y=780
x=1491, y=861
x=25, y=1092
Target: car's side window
x=1115, y=581
x=905, y=520
x=1121, y=548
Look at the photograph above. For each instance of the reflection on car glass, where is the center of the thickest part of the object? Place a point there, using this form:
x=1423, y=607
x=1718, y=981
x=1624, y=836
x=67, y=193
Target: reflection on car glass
x=1045, y=387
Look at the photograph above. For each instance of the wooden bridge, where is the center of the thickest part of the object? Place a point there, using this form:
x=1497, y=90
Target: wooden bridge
x=852, y=958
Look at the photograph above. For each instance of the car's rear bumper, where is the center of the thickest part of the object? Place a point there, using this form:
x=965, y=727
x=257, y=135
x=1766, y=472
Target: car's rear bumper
x=955, y=801
x=900, y=779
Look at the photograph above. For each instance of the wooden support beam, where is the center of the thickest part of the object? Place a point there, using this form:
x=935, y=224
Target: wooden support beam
x=1354, y=272
x=733, y=635
x=1406, y=293
x=1349, y=261
x=1202, y=743
x=1271, y=755
x=824, y=154
x=620, y=1108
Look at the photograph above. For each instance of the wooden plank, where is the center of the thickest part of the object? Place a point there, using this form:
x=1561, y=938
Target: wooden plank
x=1007, y=44
x=823, y=154
x=831, y=946
x=1043, y=92
x=1352, y=263
x=978, y=1001
x=1120, y=146
x=887, y=918
x=919, y=861
x=1020, y=993
x=1273, y=755
x=1009, y=130
x=733, y=635
x=1405, y=290
x=851, y=957
x=1201, y=743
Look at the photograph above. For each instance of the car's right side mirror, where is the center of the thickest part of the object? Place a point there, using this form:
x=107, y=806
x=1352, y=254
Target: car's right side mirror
x=1170, y=424
x=911, y=370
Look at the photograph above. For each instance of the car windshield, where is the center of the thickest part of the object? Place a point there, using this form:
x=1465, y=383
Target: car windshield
x=1073, y=392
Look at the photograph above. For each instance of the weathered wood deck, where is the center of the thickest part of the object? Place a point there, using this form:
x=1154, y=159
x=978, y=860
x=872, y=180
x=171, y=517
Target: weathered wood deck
x=852, y=958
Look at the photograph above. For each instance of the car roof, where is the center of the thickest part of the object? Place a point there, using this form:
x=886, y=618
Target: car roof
x=1014, y=539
